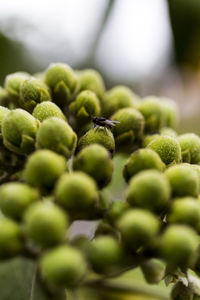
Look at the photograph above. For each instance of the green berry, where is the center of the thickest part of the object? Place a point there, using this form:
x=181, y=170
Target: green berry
x=117, y=98
x=170, y=112
x=149, y=189
x=138, y=228
x=153, y=270
x=85, y=105
x=43, y=168
x=185, y=210
x=11, y=241
x=91, y=80
x=148, y=138
x=95, y=161
x=131, y=126
x=77, y=193
x=105, y=254
x=3, y=112
x=15, y=197
x=19, y=130
x=142, y=159
x=45, y=223
x=184, y=180
x=62, y=81
x=32, y=92
x=151, y=110
x=190, y=147
x=168, y=131
x=168, y=149
x=63, y=267
x=178, y=245
x=116, y=209
x=47, y=109
x=100, y=136
x=55, y=134
x=14, y=81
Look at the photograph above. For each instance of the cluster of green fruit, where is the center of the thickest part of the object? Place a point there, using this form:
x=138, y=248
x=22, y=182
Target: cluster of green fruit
x=54, y=165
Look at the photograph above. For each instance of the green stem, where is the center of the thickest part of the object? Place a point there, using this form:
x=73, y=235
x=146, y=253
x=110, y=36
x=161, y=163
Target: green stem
x=116, y=287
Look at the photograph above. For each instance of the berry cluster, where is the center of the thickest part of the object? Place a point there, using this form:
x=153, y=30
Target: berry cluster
x=54, y=165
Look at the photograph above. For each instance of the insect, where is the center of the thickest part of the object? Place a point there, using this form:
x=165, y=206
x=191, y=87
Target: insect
x=103, y=122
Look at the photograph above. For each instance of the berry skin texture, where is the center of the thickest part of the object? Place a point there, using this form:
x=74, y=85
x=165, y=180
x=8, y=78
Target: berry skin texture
x=170, y=112
x=13, y=82
x=117, y=98
x=190, y=147
x=168, y=149
x=105, y=254
x=138, y=228
x=76, y=192
x=186, y=211
x=11, y=242
x=149, y=189
x=63, y=267
x=19, y=130
x=15, y=197
x=98, y=135
x=131, y=126
x=140, y=160
x=184, y=181
x=45, y=223
x=55, y=134
x=32, y=92
x=48, y=109
x=85, y=105
x=3, y=112
x=60, y=74
x=178, y=245
x=151, y=109
x=43, y=168
x=95, y=161
x=90, y=79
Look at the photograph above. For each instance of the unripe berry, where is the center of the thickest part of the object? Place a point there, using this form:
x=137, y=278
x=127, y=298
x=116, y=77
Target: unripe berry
x=116, y=210
x=15, y=197
x=168, y=149
x=45, y=223
x=85, y=105
x=91, y=80
x=153, y=270
x=185, y=210
x=3, y=112
x=55, y=134
x=190, y=147
x=48, y=109
x=13, y=82
x=170, y=112
x=178, y=245
x=138, y=228
x=77, y=193
x=148, y=138
x=142, y=159
x=63, y=267
x=131, y=126
x=62, y=81
x=149, y=189
x=100, y=136
x=151, y=109
x=105, y=254
x=184, y=180
x=19, y=130
x=32, y=92
x=43, y=168
x=95, y=160
x=11, y=241
x=168, y=131
x=118, y=97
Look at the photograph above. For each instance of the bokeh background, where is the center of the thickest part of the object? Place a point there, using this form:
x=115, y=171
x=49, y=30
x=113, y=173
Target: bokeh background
x=151, y=46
